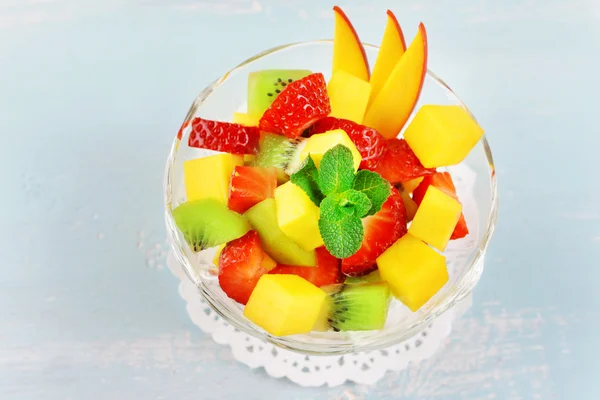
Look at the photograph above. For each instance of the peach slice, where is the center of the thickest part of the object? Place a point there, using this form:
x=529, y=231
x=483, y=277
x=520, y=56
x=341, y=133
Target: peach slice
x=391, y=50
x=348, y=52
x=397, y=98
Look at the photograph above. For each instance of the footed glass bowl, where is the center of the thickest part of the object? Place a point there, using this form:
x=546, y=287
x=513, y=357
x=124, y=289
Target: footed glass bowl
x=474, y=177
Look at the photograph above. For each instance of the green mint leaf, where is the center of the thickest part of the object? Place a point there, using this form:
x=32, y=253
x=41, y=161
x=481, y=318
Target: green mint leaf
x=306, y=178
x=342, y=232
x=336, y=172
x=374, y=187
x=359, y=201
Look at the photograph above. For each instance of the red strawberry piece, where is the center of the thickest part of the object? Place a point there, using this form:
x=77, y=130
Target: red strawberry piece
x=180, y=132
x=442, y=181
x=400, y=163
x=326, y=272
x=224, y=136
x=381, y=231
x=298, y=106
x=369, y=143
x=250, y=186
x=240, y=266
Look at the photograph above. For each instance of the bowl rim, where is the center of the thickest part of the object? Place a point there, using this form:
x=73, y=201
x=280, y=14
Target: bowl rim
x=460, y=290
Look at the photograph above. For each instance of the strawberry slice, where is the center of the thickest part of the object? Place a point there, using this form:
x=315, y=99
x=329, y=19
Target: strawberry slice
x=297, y=107
x=442, y=181
x=241, y=266
x=327, y=271
x=381, y=231
x=224, y=136
x=250, y=186
x=369, y=143
x=400, y=163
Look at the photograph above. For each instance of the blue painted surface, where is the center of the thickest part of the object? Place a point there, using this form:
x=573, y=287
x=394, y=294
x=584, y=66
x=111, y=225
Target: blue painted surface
x=91, y=95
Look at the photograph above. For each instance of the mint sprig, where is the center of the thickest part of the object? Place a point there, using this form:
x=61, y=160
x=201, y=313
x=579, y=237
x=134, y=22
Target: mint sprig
x=336, y=172
x=307, y=178
x=374, y=187
x=343, y=197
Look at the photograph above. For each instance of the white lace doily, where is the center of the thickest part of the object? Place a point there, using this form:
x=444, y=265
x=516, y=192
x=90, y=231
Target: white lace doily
x=363, y=368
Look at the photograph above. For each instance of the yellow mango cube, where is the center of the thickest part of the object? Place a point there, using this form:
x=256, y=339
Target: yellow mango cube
x=348, y=96
x=436, y=218
x=244, y=119
x=285, y=304
x=317, y=146
x=410, y=185
x=442, y=135
x=298, y=216
x=414, y=271
x=209, y=177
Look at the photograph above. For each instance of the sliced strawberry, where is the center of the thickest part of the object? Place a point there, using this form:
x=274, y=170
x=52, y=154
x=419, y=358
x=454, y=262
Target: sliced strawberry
x=369, y=143
x=240, y=267
x=381, y=231
x=250, y=186
x=297, y=107
x=442, y=181
x=326, y=272
x=224, y=136
x=400, y=163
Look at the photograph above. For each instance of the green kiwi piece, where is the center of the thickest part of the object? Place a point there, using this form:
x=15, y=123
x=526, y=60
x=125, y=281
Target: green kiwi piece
x=281, y=248
x=360, y=307
x=373, y=277
x=208, y=222
x=264, y=86
x=275, y=151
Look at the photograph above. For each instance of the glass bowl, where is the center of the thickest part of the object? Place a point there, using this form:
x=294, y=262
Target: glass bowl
x=476, y=184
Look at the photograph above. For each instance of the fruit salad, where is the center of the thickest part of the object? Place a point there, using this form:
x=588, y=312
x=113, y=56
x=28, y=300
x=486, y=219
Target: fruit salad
x=321, y=211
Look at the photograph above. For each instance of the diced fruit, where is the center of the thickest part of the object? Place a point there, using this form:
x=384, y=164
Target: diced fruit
x=436, y=218
x=400, y=164
x=298, y=106
x=409, y=205
x=267, y=263
x=380, y=231
x=348, y=52
x=264, y=87
x=360, y=307
x=410, y=185
x=285, y=304
x=317, y=145
x=209, y=177
x=442, y=181
x=298, y=216
x=181, y=129
x=223, y=136
x=396, y=100
x=348, y=96
x=249, y=159
x=414, y=271
x=442, y=135
x=284, y=250
x=369, y=143
x=240, y=267
x=275, y=151
x=391, y=50
x=208, y=223
x=244, y=119
x=327, y=271
x=373, y=277
x=249, y=186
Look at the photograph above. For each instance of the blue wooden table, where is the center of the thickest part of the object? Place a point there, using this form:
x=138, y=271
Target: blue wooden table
x=91, y=94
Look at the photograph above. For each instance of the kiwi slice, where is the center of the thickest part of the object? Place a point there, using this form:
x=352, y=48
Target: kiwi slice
x=275, y=243
x=373, y=277
x=360, y=307
x=264, y=86
x=208, y=222
x=275, y=151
